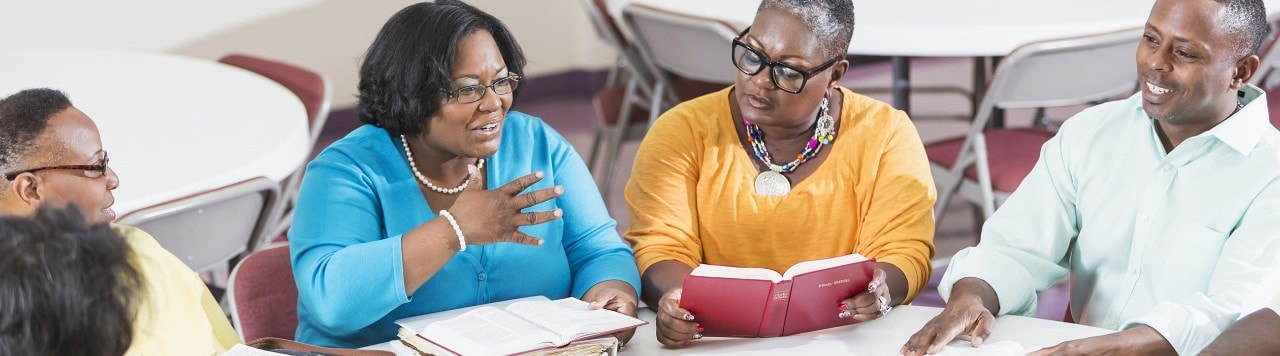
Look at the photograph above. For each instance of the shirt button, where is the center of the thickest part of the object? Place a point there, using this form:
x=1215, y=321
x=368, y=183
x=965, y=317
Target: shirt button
x=1143, y=217
x=1168, y=167
x=1111, y=323
x=480, y=277
x=1133, y=270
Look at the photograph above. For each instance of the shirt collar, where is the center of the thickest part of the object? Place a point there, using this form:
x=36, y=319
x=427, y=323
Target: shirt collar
x=1242, y=130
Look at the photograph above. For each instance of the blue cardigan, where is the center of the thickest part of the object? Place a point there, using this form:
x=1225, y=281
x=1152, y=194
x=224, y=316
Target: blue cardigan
x=358, y=197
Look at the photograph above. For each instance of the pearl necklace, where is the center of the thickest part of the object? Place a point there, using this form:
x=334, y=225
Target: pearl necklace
x=422, y=178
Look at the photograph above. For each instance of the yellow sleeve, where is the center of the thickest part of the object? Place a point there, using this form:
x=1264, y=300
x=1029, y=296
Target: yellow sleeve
x=898, y=226
x=662, y=191
x=224, y=336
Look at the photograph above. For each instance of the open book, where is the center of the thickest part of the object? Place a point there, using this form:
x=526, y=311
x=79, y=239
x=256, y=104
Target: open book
x=513, y=327
x=758, y=302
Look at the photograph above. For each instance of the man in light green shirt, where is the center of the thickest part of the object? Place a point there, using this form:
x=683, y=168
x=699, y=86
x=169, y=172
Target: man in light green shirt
x=1164, y=208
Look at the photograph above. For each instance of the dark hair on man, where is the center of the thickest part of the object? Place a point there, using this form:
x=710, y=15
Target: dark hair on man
x=1246, y=19
x=406, y=71
x=830, y=20
x=67, y=286
x=23, y=116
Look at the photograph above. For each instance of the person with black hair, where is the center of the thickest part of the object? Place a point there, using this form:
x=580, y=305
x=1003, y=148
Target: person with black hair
x=51, y=153
x=1162, y=208
x=68, y=286
x=446, y=198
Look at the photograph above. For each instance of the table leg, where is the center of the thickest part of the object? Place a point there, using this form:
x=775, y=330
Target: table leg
x=902, y=83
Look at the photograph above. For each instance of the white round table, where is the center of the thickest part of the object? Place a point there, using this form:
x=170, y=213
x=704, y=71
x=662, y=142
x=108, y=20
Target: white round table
x=884, y=336
x=173, y=126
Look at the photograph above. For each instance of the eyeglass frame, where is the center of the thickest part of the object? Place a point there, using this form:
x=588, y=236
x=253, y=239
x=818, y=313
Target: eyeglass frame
x=101, y=168
x=484, y=89
x=765, y=62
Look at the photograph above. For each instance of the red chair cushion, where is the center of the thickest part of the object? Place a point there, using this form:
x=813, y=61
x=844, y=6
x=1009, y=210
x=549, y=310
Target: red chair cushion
x=266, y=298
x=1011, y=153
x=304, y=83
x=608, y=104
x=1273, y=105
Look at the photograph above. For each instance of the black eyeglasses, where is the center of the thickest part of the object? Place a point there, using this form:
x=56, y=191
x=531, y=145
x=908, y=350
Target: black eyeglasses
x=473, y=93
x=90, y=171
x=787, y=77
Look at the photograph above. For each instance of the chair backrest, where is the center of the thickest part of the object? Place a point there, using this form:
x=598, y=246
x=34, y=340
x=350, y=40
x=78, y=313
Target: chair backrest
x=209, y=229
x=1063, y=72
x=701, y=52
x=309, y=86
x=262, y=295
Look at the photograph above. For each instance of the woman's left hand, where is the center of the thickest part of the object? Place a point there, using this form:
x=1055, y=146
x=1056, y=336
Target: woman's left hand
x=870, y=304
x=617, y=296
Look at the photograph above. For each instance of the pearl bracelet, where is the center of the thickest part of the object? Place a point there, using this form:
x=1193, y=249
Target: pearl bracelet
x=462, y=241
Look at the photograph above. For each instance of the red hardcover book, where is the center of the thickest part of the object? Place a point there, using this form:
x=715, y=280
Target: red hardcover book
x=758, y=302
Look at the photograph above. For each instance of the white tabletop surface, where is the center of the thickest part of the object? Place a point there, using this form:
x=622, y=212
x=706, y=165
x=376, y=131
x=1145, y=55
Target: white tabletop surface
x=884, y=336
x=952, y=28
x=173, y=126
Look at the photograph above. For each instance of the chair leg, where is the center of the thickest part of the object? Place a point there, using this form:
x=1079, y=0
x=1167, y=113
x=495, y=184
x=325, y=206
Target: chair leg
x=595, y=146
x=614, y=145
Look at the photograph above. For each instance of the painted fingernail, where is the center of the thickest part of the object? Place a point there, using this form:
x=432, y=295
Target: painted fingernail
x=697, y=336
x=688, y=317
x=699, y=329
x=843, y=307
x=559, y=190
x=686, y=343
x=538, y=174
x=844, y=314
x=557, y=212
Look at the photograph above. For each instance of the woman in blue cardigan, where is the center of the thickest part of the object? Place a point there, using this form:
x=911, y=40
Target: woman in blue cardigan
x=446, y=199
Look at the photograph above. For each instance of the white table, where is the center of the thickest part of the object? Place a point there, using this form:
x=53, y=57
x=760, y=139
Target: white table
x=951, y=28
x=884, y=336
x=173, y=125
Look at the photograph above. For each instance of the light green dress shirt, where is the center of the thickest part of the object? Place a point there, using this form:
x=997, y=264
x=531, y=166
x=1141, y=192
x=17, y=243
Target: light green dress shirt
x=1184, y=241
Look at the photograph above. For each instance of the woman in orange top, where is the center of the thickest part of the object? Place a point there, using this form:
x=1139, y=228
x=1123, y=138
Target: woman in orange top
x=782, y=167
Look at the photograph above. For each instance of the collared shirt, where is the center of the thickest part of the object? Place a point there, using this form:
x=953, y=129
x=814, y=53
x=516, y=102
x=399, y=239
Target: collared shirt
x=1182, y=241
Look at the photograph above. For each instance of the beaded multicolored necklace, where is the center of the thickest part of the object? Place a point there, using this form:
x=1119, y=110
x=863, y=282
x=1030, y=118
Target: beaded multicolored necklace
x=772, y=181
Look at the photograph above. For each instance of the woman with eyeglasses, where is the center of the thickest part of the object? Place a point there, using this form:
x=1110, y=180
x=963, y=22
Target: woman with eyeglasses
x=783, y=167
x=446, y=198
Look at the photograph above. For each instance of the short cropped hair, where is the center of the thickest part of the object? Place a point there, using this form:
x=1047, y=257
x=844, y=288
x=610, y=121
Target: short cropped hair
x=23, y=117
x=406, y=71
x=67, y=287
x=1247, y=20
x=831, y=21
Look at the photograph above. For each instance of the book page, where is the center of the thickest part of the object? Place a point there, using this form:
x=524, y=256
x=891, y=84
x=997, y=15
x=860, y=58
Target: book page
x=570, y=318
x=488, y=330
x=736, y=272
x=818, y=265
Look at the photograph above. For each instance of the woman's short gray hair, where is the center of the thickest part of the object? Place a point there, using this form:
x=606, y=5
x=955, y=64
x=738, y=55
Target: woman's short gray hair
x=831, y=21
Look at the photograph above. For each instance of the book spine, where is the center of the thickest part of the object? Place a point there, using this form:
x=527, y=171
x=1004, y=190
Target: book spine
x=775, y=310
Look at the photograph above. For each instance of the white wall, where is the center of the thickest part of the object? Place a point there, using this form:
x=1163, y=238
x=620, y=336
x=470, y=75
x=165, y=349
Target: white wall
x=325, y=35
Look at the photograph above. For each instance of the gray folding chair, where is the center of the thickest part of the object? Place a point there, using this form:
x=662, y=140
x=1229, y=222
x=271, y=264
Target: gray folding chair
x=315, y=92
x=211, y=229
x=985, y=165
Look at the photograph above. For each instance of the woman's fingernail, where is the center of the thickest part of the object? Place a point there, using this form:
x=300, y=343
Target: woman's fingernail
x=844, y=314
x=557, y=212
x=686, y=343
x=843, y=307
x=559, y=190
x=699, y=329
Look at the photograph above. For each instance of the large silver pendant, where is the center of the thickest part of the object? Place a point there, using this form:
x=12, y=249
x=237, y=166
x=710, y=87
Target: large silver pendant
x=772, y=183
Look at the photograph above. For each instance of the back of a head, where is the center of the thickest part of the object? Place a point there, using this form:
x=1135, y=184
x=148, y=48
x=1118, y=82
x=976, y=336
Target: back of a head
x=68, y=287
x=23, y=116
x=406, y=71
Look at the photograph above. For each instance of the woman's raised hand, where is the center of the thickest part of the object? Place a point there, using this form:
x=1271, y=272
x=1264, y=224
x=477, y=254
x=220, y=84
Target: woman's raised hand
x=492, y=216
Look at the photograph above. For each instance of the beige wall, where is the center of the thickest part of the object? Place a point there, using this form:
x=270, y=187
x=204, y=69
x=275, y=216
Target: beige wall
x=325, y=35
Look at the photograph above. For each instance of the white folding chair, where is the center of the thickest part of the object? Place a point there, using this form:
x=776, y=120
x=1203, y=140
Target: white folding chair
x=986, y=165
x=680, y=46
x=210, y=229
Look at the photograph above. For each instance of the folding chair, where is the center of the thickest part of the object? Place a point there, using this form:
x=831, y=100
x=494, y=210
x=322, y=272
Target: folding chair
x=314, y=91
x=986, y=165
x=211, y=229
x=262, y=295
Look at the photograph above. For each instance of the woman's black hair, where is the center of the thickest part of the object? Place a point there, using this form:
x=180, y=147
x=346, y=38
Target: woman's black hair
x=68, y=286
x=405, y=74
